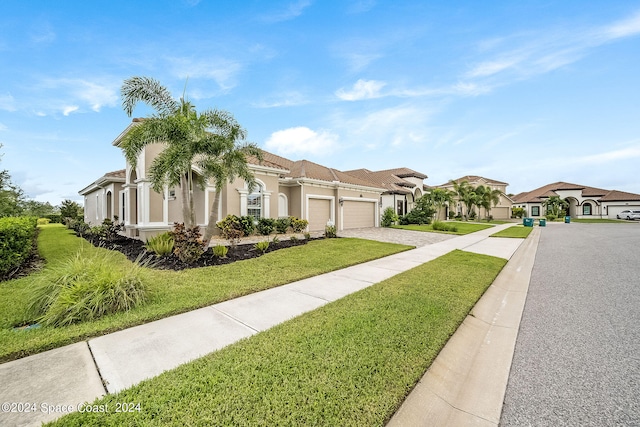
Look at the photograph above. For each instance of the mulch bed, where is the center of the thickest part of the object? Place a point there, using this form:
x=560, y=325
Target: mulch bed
x=134, y=250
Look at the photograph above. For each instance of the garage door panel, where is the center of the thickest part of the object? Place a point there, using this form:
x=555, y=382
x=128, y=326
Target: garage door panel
x=319, y=214
x=358, y=214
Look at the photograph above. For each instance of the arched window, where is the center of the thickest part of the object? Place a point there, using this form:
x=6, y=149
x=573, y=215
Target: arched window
x=586, y=209
x=254, y=203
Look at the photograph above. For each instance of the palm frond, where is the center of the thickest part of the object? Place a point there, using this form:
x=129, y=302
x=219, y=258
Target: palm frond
x=151, y=92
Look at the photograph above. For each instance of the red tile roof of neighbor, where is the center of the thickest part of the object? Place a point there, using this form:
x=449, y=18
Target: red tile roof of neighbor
x=542, y=193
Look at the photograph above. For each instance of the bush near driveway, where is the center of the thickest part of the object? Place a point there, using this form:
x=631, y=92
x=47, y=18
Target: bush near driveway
x=170, y=292
x=349, y=363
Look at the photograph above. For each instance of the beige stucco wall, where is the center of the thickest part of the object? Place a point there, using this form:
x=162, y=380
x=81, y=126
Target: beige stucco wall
x=155, y=207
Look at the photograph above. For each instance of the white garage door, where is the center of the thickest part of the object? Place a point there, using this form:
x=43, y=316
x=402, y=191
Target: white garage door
x=319, y=214
x=358, y=214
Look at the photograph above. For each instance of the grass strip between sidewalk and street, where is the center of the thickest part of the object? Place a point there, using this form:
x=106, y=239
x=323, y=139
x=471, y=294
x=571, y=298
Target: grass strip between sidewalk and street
x=170, y=292
x=516, y=232
x=349, y=363
x=463, y=227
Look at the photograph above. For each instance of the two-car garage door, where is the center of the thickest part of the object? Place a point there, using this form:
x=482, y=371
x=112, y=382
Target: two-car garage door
x=355, y=214
x=358, y=214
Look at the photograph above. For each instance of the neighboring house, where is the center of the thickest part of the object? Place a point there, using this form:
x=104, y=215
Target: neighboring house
x=584, y=201
x=403, y=186
x=501, y=211
x=285, y=187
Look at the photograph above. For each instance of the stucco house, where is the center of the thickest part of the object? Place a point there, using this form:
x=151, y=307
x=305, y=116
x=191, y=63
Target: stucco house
x=300, y=188
x=403, y=186
x=584, y=201
x=501, y=211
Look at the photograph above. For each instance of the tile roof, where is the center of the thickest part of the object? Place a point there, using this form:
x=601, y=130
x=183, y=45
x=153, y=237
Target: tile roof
x=390, y=179
x=475, y=178
x=116, y=174
x=540, y=194
x=308, y=169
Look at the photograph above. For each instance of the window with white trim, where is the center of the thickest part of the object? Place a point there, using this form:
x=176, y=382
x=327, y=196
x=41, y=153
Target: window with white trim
x=254, y=203
x=586, y=209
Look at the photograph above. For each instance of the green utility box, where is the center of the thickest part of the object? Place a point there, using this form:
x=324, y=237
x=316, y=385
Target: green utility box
x=527, y=222
x=567, y=219
x=543, y=222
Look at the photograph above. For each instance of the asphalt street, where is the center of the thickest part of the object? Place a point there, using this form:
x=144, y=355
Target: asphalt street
x=577, y=356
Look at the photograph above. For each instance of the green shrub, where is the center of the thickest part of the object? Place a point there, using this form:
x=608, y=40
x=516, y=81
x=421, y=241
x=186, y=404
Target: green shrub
x=54, y=218
x=298, y=225
x=417, y=216
x=282, y=225
x=220, y=251
x=389, y=217
x=16, y=241
x=187, y=243
x=262, y=246
x=85, y=287
x=307, y=236
x=443, y=226
x=161, y=245
x=248, y=225
x=266, y=226
x=232, y=228
x=43, y=221
x=293, y=239
x=517, y=212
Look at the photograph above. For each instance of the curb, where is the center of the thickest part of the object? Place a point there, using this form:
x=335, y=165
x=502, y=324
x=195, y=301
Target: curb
x=467, y=382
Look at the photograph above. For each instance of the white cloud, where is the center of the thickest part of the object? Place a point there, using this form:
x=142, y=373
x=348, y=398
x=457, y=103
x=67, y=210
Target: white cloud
x=528, y=54
x=302, y=140
x=74, y=93
x=288, y=99
x=361, y=6
x=43, y=34
x=69, y=109
x=7, y=103
x=3, y=127
x=292, y=11
x=362, y=89
x=220, y=70
x=623, y=28
x=610, y=156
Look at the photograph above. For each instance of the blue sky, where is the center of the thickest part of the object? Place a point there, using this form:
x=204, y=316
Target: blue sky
x=527, y=92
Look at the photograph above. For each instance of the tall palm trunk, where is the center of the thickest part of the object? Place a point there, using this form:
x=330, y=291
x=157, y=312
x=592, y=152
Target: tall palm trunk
x=213, y=218
x=187, y=202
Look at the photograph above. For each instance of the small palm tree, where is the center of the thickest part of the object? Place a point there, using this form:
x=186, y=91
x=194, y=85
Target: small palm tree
x=488, y=198
x=465, y=194
x=212, y=141
x=440, y=197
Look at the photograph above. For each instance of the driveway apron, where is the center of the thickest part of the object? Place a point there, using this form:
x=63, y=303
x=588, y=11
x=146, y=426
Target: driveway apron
x=577, y=356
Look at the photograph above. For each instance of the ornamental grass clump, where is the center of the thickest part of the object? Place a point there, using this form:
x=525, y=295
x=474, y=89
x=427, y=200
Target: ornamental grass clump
x=161, y=245
x=443, y=226
x=83, y=288
x=262, y=246
x=220, y=251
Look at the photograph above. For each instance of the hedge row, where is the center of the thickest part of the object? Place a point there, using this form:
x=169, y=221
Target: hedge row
x=16, y=241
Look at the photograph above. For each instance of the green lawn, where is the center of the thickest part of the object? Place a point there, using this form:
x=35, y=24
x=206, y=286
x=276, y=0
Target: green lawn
x=172, y=292
x=349, y=363
x=463, y=227
x=517, y=231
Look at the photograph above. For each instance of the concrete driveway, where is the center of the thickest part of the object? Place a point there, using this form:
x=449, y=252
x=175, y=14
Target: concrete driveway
x=576, y=360
x=394, y=235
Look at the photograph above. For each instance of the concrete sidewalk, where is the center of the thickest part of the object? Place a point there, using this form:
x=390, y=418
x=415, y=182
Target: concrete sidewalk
x=59, y=380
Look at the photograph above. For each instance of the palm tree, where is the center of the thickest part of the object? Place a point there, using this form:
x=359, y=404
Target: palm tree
x=212, y=141
x=440, y=197
x=465, y=194
x=488, y=197
x=555, y=205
